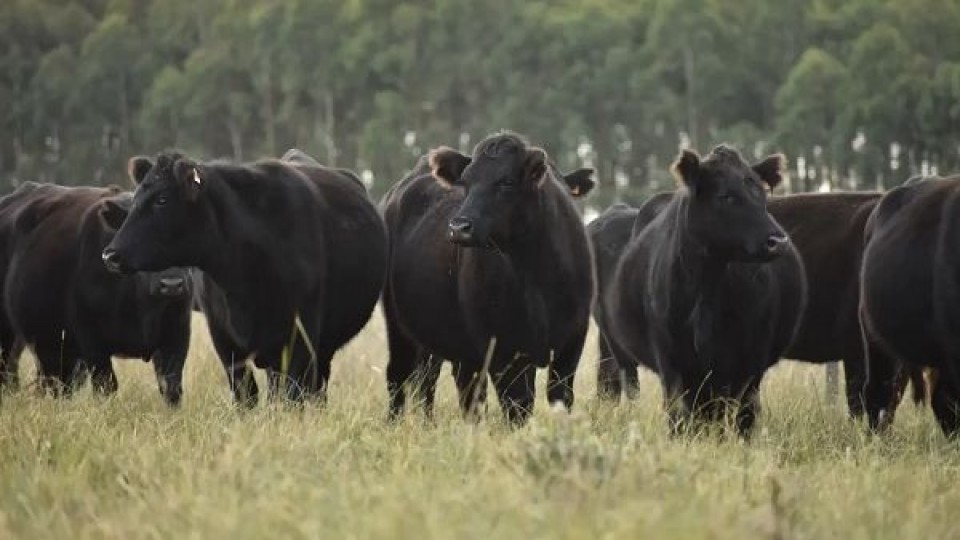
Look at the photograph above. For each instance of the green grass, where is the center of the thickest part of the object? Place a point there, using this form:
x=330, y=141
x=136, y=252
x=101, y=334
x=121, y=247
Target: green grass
x=127, y=467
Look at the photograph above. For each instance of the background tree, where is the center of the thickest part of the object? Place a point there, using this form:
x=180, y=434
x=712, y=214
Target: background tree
x=861, y=93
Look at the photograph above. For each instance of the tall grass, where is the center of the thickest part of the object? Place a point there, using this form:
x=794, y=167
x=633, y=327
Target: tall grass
x=128, y=467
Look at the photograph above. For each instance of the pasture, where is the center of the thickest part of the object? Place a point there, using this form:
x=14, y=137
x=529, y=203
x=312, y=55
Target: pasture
x=128, y=467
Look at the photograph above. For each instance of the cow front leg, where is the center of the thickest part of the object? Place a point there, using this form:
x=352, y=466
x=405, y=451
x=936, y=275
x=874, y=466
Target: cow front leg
x=515, y=390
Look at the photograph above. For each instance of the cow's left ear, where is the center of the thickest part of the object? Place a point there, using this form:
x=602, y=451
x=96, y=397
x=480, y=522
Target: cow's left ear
x=771, y=169
x=580, y=182
x=446, y=164
x=535, y=166
x=190, y=175
x=138, y=167
x=112, y=214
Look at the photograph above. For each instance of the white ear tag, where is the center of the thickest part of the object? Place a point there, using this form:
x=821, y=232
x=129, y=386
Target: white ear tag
x=196, y=177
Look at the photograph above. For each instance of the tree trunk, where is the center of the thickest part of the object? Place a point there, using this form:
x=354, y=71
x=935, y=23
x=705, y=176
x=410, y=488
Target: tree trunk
x=269, y=112
x=326, y=128
x=236, y=141
x=689, y=75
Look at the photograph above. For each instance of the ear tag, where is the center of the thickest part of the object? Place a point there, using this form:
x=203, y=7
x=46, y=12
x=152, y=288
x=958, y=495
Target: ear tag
x=196, y=177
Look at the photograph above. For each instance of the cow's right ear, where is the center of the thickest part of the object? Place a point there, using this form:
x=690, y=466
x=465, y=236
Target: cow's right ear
x=446, y=164
x=138, y=167
x=112, y=215
x=686, y=169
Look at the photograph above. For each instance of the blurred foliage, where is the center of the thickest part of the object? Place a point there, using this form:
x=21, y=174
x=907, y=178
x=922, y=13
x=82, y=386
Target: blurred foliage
x=859, y=93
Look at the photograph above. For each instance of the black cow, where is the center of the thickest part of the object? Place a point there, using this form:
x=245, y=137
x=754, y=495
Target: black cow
x=910, y=293
x=828, y=231
x=292, y=255
x=487, y=253
x=610, y=233
x=710, y=292
x=59, y=298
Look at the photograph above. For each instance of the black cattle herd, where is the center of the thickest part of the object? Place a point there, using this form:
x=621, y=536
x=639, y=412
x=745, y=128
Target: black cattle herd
x=483, y=260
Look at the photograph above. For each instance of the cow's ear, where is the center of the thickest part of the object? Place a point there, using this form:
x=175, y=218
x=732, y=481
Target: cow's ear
x=686, y=168
x=138, y=167
x=112, y=214
x=535, y=166
x=580, y=182
x=446, y=164
x=190, y=175
x=771, y=169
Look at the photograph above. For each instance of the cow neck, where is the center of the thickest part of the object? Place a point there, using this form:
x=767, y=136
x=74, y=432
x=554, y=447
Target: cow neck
x=699, y=269
x=528, y=250
x=228, y=258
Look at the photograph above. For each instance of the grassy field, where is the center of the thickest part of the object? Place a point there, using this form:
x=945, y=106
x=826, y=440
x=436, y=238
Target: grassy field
x=127, y=467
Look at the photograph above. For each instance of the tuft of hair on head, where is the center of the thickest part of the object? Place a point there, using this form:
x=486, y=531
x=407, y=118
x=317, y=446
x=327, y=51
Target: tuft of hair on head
x=725, y=152
x=496, y=144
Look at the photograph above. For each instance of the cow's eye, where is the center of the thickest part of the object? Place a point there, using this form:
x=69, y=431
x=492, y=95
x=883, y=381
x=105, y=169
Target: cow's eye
x=507, y=183
x=728, y=198
x=160, y=201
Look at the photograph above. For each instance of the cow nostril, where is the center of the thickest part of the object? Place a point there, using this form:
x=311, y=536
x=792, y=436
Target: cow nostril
x=774, y=241
x=461, y=226
x=171, y=285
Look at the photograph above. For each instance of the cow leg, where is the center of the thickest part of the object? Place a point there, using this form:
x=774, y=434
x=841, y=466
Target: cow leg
x=401, y=366
x=317, y=375
x=242, y=383
x=562, y=372
x=855, y=378
x=880, y=389
x=748, y=409
x=168, y=367
x=57, y=365
x=609, y=372
x=102, y=377
x=515, y=390
x=168, y=362
x=674, y=401
x=630, y=381
x=169, y=372
x=431, y=365
x=299, y=377
x=684, y=405
x=471, y=389
x=945, y=402
x=243, y=386
x=10, y=350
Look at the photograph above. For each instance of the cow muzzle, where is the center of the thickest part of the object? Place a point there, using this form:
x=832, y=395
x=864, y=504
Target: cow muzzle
x=460, y=230
x=114, y=262
x=171, y=286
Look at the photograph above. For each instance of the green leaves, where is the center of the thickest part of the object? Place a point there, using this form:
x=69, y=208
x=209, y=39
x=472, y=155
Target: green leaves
x=368, y=84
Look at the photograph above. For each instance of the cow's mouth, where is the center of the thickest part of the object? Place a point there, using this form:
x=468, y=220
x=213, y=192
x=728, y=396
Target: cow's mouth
x=471, y=242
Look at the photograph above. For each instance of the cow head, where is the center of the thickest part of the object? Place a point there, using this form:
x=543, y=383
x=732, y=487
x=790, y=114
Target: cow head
x=165, y=223
x=170, y=282
x=502, y=182
x=727, y=209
